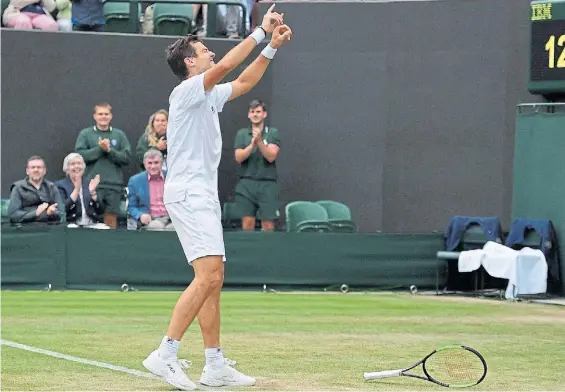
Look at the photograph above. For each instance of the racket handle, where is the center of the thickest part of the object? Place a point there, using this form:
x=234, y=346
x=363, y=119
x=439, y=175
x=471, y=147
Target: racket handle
x=385, y=374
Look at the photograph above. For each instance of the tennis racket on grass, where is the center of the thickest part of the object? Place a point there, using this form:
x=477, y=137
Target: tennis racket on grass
x=449, y=366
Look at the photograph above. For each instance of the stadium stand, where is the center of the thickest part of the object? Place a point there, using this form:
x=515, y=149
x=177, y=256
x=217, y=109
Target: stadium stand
x=117, y=17
x=306, y=216
x=339, y=216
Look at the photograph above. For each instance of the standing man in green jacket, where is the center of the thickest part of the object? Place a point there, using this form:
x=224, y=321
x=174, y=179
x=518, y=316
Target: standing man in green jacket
x=256, y=149
x=105, y=150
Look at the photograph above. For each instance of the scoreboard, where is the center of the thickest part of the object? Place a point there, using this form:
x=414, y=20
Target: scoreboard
x=547, y=47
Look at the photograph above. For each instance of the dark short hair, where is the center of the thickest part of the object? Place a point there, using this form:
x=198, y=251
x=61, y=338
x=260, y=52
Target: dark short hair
x=256, y=103
x=34, y=158
x=178, y=51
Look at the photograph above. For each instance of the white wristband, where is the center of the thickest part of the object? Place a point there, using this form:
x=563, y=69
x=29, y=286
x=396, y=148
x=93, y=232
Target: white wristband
x=269, y=52
x=258, y=35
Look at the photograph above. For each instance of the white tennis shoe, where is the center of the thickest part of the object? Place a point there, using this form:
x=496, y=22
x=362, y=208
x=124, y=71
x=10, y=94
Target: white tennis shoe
x=225, y=376
x=170, y=370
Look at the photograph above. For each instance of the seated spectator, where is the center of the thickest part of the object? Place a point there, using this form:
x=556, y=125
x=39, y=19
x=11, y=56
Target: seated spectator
x=155, y=136
x=83, y=208
x=64, y=15
x=200, y=31
x=30, y=14
x=88, y=15
x=233, y=17
x=145, y=194
x=35, y=199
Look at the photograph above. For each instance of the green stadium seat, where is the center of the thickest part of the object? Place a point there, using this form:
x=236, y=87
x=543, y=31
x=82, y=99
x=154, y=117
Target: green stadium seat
x=116, y=17
x=306, y=216
x=474, y=238
x=172, y=19
x=531, y=240
x=339, y=216
x=230, y=218
x=4, y=204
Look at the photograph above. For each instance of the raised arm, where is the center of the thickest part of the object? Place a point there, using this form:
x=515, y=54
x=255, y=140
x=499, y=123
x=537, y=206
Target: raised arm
x=255, y=71
x=238, y=54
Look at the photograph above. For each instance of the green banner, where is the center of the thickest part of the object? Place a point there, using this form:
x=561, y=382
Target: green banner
x=105, y=259
x=539, y=170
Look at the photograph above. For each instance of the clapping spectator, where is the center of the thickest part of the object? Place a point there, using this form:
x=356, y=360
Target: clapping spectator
x=83, y=207
x=145, y=195
x=35, y=199
x=30, y=14
x=155, y=136
x=106, y=150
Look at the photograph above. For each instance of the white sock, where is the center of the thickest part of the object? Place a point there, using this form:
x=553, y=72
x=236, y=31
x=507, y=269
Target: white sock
x=169, y=348
x=214, y=357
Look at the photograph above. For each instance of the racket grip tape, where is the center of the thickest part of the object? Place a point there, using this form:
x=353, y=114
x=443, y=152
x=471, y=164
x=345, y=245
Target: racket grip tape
x=385, y=374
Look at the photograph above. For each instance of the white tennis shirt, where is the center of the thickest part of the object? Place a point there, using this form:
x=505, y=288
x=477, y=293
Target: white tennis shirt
x=194, y=141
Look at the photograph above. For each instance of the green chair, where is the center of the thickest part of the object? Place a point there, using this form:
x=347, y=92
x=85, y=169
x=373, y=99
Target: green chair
x=4, y=204
x=473, y=238
x=172, y=19
x=116, y=17
x=531, y=240
x=339, y=216
x=306, y=216
x=230, y=217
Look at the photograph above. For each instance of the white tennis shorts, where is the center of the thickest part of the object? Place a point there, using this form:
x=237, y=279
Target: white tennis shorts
x=198, y=222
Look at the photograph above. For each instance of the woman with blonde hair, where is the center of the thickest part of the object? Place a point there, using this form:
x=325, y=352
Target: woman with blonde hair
x=155, y=136
x=82, y=205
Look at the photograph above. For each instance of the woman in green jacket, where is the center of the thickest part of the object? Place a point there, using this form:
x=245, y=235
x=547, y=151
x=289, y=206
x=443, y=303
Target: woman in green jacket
x=155, y=136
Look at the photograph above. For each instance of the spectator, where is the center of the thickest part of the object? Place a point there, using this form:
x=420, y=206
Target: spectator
x=145, y=194
x=35, y=199
x=105, y=151
x=83, y=208
x=201, y=31
x=88, y=15
x=64, y=15
x=233, y=17
x=155, y=136
x=233, y=21
x=256, y=149
x=30, y=14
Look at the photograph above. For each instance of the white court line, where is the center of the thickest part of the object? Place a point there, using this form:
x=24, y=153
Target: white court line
x=79, y=360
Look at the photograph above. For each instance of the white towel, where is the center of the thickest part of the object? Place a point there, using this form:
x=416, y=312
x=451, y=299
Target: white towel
x=470, y=260
x=526, y=269
x=499, y=260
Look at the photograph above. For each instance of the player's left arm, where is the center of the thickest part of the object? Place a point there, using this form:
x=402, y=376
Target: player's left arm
x=255, y=71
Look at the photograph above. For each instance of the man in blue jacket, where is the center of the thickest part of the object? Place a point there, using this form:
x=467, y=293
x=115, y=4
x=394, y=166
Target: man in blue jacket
x=88, y=15
x=145, y=194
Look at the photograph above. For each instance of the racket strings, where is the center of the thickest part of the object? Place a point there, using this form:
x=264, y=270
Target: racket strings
x=455, y=367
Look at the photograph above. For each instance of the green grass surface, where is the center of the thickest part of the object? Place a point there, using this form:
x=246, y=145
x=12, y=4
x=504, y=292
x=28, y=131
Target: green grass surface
x=287, y=341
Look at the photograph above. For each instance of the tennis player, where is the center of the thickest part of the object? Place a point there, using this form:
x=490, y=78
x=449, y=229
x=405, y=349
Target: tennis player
x=191, y=192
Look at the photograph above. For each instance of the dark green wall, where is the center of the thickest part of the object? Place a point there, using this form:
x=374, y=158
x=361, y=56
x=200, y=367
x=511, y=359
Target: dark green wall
x=104, y=259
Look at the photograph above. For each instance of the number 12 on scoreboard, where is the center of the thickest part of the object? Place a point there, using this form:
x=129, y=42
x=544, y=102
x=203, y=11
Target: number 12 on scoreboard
x=550, y=47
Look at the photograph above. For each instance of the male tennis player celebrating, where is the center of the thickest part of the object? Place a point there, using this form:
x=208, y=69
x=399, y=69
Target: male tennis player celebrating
x=191, y=192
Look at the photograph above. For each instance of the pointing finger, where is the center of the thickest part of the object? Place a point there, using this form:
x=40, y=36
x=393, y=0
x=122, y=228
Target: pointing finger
x=271, y=8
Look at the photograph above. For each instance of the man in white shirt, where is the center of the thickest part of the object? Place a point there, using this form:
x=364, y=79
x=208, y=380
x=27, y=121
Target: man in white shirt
x=191, y=192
